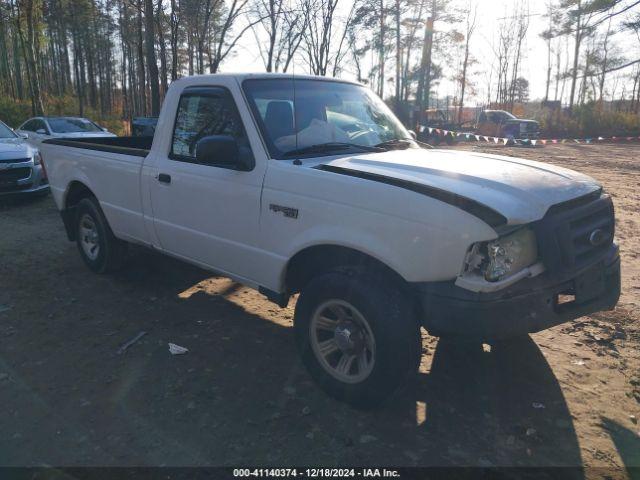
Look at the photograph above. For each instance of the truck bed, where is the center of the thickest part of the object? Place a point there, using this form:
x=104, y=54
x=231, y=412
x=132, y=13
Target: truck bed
x=137, y=146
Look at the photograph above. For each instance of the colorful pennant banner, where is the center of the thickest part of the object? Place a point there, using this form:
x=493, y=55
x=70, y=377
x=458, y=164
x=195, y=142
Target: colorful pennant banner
x=525, y=141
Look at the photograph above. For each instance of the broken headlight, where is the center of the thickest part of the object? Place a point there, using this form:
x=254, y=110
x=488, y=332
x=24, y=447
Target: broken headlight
x=504, y=256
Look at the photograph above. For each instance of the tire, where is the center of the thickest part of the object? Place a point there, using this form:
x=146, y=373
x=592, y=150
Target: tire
x=101, y=251
x=374, y=369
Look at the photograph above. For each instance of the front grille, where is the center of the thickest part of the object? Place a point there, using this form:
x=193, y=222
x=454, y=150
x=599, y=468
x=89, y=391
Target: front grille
x=565, y=234
x=581, y=229
x=14, y=174
x=14, y=160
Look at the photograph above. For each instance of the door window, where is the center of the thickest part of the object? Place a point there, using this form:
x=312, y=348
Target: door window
x=40, y=125
x=30, y=126
x=205, y=112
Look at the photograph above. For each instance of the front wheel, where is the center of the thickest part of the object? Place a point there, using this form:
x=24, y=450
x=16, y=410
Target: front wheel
x=358, y=336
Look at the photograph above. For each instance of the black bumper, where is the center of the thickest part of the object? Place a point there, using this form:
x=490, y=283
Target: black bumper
x=527, y=306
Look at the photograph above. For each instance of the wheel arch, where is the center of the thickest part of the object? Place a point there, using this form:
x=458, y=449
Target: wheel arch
x=315, y=260
x=75, y=192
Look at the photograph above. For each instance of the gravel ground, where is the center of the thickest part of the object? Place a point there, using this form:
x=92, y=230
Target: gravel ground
x=566, y=396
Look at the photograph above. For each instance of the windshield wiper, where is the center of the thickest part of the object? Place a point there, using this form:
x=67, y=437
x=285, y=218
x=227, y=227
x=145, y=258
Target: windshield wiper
x=396, y=142
x=330, y=147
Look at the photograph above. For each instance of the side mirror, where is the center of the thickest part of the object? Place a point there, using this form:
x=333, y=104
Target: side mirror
x=23, y=135
x=104, y=129
x=222, y=151
x=413, y=134
x=41, y=131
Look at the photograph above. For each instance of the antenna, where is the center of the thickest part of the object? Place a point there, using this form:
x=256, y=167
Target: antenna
x=295, y=115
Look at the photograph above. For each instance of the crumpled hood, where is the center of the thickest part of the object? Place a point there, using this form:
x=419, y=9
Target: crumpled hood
x=521, y=190
x=14, y=149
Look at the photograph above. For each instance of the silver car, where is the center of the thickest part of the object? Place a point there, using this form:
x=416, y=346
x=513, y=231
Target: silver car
x=21, y=168
x=38, y=129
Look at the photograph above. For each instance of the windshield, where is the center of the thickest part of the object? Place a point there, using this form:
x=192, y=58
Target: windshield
x=6, y=132
x=72, y=125
x=294, y=115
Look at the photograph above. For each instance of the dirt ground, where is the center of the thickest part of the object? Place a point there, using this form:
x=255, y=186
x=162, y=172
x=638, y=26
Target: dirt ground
x=567, y=396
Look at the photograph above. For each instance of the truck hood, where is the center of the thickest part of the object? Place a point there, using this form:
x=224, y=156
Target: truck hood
x=520, y=190
x=15, y=148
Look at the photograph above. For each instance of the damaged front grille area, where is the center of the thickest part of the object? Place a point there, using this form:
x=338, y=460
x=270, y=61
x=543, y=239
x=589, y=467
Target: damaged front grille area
x=574, y=234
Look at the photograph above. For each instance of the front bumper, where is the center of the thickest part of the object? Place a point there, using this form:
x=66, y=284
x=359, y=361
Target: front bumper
x=529, y=306
x=32, y=182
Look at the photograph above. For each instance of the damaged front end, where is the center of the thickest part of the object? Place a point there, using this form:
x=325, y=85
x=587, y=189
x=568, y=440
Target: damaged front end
x=492, y=266
x=531, y=277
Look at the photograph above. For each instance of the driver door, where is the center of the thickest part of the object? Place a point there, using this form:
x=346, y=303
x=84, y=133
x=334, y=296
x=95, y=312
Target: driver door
x=207, y=213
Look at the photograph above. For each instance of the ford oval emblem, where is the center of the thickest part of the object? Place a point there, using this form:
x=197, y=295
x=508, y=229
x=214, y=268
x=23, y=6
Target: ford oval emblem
x=598, y=237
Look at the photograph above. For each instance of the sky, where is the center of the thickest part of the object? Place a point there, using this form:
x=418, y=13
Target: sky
x=490, y=14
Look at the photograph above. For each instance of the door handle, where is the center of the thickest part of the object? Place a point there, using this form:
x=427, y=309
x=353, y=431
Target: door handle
x=164, y=178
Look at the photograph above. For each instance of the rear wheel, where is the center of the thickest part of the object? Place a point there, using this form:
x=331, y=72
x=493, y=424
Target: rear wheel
x=358, y=336
x=101, y=251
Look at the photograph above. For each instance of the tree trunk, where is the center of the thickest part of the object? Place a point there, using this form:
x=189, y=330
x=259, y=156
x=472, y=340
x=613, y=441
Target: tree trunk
x=425, y=70
x=174, y=40
x=576, y=56
x=463, y=79
x=381, y=52
x=28, y=44
x=163, y=51
x=398, y=56
x=17, y=67
x=152, y=64
x=142, y=89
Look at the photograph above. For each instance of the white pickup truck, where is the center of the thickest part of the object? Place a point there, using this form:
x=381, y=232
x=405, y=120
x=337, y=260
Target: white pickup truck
x=311, y=185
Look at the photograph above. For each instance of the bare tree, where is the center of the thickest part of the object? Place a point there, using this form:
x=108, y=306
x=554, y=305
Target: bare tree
x=604, y=60
x=321, y=49
x=470, y=26
x=548, y=35
x=295, y=22
x=283, y=24
x=27, y=41
x=522, y=22
x=270, y=17
x=152, y=64
x=226, y=38
x=174, y=24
